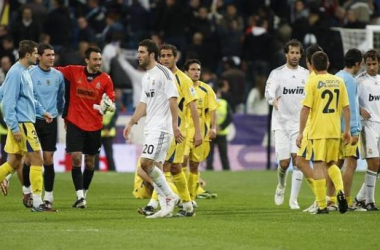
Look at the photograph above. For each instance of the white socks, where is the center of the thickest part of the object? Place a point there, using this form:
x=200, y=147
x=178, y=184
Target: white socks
x=370, y=181
x=297, y=177
x=159, y=180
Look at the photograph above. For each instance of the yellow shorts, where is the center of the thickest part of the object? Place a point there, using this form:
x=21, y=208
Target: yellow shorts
x=29, y=141
x=326, y=150
x=176, y=152
x=349, y=150
x=305, y=146
x=199, y=153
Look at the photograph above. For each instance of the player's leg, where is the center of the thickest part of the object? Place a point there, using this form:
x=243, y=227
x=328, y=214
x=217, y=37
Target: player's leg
x=75, y=139
x=48, y=133
x=370, y=181
x=88, y=173
x=108, y=149
x=27, y=199
x=155, y=149
x=210, y=158
x=282, y=148
x=297, y=175
x=320, y=186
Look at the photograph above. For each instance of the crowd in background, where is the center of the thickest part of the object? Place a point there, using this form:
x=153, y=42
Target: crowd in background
x=238, y=41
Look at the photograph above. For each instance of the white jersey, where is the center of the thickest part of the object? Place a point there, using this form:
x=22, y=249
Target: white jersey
x=157, y=88
x=369, y=94
x=288, y=85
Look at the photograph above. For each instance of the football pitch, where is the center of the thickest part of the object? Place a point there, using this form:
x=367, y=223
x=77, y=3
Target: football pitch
x=242, y=217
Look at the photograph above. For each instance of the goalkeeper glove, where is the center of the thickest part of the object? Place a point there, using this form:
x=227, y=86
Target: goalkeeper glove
x=105, y=105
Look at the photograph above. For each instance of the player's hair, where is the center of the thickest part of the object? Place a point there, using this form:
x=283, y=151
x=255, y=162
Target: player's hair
x=352, y=57
x=293, y=43
x=189, y=62
x=170, y=47
x=320, y=61
x=42, y=46
x=26, y=46
x=150, y=46
x=91, y=49
x=373, y=54
x=311, y=50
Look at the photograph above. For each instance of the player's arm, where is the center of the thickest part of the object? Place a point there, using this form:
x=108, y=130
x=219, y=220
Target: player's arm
x=11, y=88
x=305, y=111
x=61, y=95
x=212, y=133
x=212, y=106
x=195, y=118
x=173, y=105
x=139, y=112
x=271, y=89
x=346, y=133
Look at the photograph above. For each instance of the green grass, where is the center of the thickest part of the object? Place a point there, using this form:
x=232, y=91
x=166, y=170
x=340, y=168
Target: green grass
x=242, y=217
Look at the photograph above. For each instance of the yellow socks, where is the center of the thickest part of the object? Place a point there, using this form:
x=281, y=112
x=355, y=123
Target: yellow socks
x=320, y=191
x=5, y=170
x=336, y=177
x=181, y=184
x=350, y=202
x=193, y=185
x=36, y=179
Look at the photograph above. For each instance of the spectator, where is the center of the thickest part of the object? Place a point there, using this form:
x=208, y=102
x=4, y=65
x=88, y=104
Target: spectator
x=85, y=33
x=256, y=102
x=26, y=28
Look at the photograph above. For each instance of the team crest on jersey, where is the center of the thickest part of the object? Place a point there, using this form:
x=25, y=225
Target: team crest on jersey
x=79, y=80
x=153, y=82
x=192, y=91
x=48, y=82
x=370, y=151
x=97, y=85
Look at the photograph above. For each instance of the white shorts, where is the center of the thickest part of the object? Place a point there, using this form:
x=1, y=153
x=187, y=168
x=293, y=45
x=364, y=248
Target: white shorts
x=285, y=143
x=156, y=145
x=370, y=136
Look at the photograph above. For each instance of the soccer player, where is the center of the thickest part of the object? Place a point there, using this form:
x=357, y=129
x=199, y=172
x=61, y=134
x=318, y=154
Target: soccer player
x=20, y=108
x=159, y=104
x=186, y=100
x=326, y=97
x=350, y=153
x=85, y=87
x=206, y=109
x=369, y=101
x=49, y=88
x=301, y=162
x=284, y=90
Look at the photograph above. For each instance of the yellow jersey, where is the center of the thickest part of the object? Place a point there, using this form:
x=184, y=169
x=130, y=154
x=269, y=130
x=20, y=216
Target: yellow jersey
x=305, y=131
x=206, y=103
x=186, y=94
x=326, y=95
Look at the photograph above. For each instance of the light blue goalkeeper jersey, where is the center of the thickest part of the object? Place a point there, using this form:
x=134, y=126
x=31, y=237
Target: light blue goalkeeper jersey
x=352, y=91
x=49, y=89
x=19, y=104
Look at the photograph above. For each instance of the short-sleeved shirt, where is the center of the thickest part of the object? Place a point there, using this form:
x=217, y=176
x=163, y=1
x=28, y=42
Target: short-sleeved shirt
x=369, y=95
x=83, y=90
x=206, y=103
x=288, y=85
x=157, y=88
x=326, y=95
x=186, y=94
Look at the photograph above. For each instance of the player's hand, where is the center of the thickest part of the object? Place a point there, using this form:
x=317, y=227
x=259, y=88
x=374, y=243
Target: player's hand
x=127, y=131
x=48, y=117
x=346, y=137
x=212, y=134
x=197, y=139
x=365, y=114
x=178, y=135
x=275, y=102
x=17, y=136
x=354, y=140
x=299, y=140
